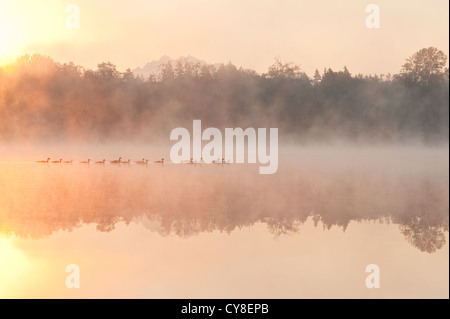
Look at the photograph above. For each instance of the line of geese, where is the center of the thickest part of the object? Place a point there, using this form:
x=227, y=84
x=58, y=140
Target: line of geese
x=143, y=162
x=103, y=162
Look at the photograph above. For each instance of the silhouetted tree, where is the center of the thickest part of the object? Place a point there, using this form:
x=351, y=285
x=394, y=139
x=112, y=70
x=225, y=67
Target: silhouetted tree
x=128, y=75
x=280, y=70
x=425, y=66
x=167, y=74
x=42, y=99
x=107, y=70
x=317, y=77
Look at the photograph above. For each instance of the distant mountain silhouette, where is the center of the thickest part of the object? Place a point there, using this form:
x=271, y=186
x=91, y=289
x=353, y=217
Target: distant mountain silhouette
x=154, y=67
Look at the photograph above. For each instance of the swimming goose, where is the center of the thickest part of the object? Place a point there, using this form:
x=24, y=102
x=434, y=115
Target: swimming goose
x=160, y=162
x=84, y=162
x=116, y=161
x=127, y=162
x=68, y=162
x=57, y=162
x=44, y=162
x=101, y=162
x=220, y=162
x=140, y=162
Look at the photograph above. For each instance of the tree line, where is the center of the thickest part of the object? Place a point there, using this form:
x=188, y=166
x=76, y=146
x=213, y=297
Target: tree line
x=41, y=99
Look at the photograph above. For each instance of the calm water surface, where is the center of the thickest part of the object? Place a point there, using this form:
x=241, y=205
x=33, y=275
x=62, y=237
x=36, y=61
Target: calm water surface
x=179, y=231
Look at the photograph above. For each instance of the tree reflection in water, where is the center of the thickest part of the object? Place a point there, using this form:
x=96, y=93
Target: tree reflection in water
x=185, y=201
x=423, y=235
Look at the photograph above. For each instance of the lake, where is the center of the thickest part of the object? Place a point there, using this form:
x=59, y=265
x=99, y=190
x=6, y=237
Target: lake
x=213, y=231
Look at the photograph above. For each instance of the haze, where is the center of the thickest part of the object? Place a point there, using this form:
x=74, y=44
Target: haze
x=249, y=34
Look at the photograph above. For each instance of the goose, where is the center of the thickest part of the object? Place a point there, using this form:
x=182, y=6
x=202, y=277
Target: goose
x=57, y=162
x=117, y=161
x=127, y=162
x=220, y=162
x=68, y=162
x=144, y=162
x=44, y=162
x=101, y=162
x=84, y=162
x=160, y=162
x=141, y=162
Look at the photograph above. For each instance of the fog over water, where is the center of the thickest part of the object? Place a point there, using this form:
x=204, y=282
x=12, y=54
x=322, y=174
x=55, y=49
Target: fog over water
x=184, y=230
x=335, y=186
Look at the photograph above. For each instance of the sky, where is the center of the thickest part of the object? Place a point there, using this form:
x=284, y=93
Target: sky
x=250, y=33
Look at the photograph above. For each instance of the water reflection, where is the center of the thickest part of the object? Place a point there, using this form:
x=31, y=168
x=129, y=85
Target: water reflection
x=37, y=200
x=423, y=235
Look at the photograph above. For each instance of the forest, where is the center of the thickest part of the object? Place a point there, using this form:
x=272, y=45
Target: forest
x=43, y=100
